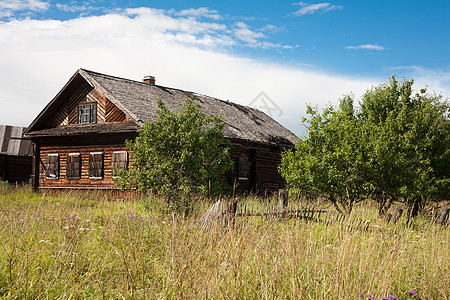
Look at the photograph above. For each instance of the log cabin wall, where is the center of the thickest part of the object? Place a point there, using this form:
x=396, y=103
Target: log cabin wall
x=84, y=145
x=263, y=162
x=84, y=181
x=15, y=168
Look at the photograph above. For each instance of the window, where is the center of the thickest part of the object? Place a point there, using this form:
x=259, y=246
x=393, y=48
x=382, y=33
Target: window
x=86, y=113
x=243, y=168
x=52, y=166
x=96, y=165
x=73, y=168
x=119, y=161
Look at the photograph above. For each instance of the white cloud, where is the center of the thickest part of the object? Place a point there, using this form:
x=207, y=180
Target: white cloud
x=8, y=7
x=314, y=8
x=73, y=8
x=39, y=56
x=366, y=47
x=243, y=33
x=435, y=81
x=252, y=38
x=204, y=12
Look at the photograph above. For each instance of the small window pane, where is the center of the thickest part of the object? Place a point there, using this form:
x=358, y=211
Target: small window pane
x=87, y=113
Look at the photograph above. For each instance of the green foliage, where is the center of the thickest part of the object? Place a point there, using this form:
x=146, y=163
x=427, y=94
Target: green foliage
x=329, y=162
x=409, y=143
x=178, y=154
x=396, y=146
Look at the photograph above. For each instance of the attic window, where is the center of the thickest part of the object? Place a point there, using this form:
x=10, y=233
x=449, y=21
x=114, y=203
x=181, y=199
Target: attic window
x=52, y=166
x=87, y=113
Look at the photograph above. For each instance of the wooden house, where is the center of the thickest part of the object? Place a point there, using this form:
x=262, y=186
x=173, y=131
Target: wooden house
x=79, y=137
x=16, y=155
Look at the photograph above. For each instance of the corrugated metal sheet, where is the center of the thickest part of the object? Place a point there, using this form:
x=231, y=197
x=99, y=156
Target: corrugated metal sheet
x=11, y=142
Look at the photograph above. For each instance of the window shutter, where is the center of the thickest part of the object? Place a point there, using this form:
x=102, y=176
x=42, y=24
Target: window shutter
x=52, y=170
x=119, y=161
x=96, y=165
x=73, y=169
x=243, y=167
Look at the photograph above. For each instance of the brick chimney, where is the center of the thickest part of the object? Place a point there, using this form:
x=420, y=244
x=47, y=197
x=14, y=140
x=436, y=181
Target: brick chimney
x=150, y=80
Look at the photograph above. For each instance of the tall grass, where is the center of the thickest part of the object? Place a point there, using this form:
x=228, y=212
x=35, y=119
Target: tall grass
x=95, y=245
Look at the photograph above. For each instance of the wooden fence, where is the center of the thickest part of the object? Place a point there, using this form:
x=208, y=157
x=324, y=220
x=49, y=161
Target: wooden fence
x=228, y=213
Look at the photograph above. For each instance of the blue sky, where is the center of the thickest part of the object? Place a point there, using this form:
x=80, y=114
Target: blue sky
x=293, y=52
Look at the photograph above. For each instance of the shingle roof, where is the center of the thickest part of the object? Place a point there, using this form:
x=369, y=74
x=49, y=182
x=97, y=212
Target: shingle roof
x=139, y=101
x=80, y=129
x=12, y=142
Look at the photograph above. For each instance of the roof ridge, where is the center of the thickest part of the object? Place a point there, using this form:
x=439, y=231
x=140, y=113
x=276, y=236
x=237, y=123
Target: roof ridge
x=110, y=76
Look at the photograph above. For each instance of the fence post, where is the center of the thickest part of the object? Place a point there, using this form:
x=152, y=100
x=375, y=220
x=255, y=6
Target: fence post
x=444, y=214
x=230, y=214
x=397, y=214
x=387, y=217
x=283, y=198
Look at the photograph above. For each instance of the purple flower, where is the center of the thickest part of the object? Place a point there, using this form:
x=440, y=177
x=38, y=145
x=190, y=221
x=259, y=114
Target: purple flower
x=392, y=297
x=360, y=294
x=411, y=292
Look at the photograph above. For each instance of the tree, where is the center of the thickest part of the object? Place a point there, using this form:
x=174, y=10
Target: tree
x=178, y=155
x=328, y=164
x=409, y=137
x=395, y=146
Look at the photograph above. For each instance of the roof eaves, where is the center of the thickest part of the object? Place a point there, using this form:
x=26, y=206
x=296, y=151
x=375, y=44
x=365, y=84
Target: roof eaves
x=50, y=104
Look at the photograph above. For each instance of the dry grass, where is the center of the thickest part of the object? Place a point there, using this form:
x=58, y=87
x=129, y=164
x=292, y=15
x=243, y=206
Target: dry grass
x=91, y=245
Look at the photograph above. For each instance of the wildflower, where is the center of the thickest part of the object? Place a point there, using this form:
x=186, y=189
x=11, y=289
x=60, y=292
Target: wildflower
x=392, y=297
x=411, y=292
x=361, y=294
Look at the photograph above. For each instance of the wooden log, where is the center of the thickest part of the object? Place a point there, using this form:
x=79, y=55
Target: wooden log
x=444, y=215
x=231, y=212
x=387, y=218
x=397, y=214
x=283, y=197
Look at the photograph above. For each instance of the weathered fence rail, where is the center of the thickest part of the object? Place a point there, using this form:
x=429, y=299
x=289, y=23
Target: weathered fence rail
x=228, y=213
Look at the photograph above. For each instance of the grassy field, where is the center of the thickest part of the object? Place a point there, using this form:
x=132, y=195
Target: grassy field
x=97, y=246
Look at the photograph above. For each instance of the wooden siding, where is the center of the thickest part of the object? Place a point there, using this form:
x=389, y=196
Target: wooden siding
x=114, y=114
x=15, y=168
x=106, y=111
x=263, y=161
x=84, y=180
x=67, y=112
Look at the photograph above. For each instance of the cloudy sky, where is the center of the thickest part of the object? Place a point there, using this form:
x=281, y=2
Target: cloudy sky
x=275, y=55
